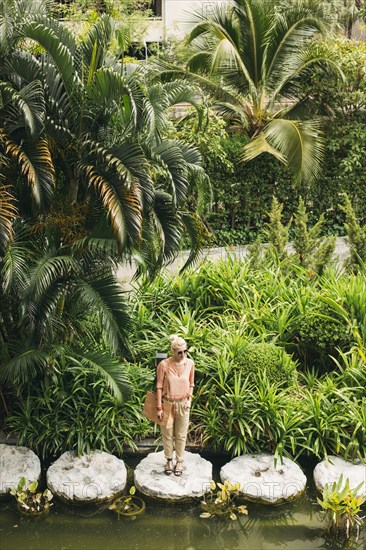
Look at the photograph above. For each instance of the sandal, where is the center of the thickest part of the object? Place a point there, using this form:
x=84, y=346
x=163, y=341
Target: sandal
x=168, y=470
x=178, y=472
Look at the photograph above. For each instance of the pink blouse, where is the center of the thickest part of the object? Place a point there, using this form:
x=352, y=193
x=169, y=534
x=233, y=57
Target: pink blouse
x=175, y=382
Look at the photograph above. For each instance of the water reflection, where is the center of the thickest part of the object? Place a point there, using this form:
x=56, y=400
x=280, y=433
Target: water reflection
x=298, y=526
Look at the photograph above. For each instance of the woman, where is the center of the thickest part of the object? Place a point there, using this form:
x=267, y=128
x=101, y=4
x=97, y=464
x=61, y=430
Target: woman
x=175, y=381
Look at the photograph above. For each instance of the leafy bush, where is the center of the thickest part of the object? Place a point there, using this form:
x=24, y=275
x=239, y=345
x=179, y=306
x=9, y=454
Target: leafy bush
x=254, y=359
x=76, y=412
x=356, y=237
x=239, y=416
x=322, y=333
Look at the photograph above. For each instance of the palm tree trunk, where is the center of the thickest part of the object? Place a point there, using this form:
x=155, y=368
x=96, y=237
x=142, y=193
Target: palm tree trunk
x=73, y=189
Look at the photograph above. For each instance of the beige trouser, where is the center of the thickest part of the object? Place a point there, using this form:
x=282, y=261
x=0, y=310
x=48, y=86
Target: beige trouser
x=178, y=432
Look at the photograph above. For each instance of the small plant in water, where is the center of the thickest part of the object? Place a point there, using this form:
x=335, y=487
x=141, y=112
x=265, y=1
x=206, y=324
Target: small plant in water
x=220, y=501
x=342, y=506
x=128, y=505
x=29, y=501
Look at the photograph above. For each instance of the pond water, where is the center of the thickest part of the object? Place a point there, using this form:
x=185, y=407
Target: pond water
x=299, y=526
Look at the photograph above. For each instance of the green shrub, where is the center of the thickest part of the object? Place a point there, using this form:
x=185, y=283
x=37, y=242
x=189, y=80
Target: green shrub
x=321, y=334
x=254, y=359
x=356, y=237
x=77, y=412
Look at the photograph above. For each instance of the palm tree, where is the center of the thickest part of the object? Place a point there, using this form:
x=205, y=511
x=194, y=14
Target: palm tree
x=60, y=305
x=89, y=177
x=24, y=149
x=254, y=59
x=83, y=94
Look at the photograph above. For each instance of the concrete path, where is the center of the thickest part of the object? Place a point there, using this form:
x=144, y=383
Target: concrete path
x=126, y=271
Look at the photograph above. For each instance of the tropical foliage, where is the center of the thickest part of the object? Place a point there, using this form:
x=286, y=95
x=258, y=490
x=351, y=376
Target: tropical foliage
x=267, y=305
x=60, y=305
x=95, y=171
x=253, y=57
x=89, y=177
x=106, y=127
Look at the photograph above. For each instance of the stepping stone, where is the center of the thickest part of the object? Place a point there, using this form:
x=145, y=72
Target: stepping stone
x=15, y=463
x=329, y=471
x=151, y=480
x=261, y=482
x=90, y=478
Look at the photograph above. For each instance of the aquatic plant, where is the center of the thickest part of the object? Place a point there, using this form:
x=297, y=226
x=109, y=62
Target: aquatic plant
x=220, y=503
x=129, y=505
x=342, y=506
x=30, y=502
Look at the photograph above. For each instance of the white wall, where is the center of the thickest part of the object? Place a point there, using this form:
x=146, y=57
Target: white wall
x=178, y=15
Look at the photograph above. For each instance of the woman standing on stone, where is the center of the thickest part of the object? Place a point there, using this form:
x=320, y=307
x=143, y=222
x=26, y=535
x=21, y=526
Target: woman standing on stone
x=175, y=381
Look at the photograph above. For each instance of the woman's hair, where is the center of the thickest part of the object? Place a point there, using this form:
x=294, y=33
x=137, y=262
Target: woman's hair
x=176, y=341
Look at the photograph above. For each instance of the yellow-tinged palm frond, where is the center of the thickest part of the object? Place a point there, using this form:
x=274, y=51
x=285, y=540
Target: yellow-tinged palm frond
x=299, y=144
x=8, y=212
x=123, y=206
x=35, y=164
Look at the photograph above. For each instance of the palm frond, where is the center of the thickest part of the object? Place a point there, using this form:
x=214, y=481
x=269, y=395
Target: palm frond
x=181, y=92
x=17, y=259
x=133, y=158
x=23, y=65
x=108, y=86
x=106, y=367
x=198, y=236
x=218, y=42
x=169, y=72
x=290, y=82
x=20, y=369
x=58, y=42
x=286, y=37
x=259, y=145
x=48, y=270
x=8, y=211
x=94, y=47
x=169, y=154
x=35, y=164
x=123, y=206
x=168, y=226
x=105, y=297
x=156, y=103
x=297, y=143
x=97, y=245
x=28, y=102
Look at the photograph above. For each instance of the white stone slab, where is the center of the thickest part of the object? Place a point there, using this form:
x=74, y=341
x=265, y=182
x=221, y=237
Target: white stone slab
x=90, y=478
x=261, y=482
x=151, y=480
x=329, y=471
x=15, y=463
